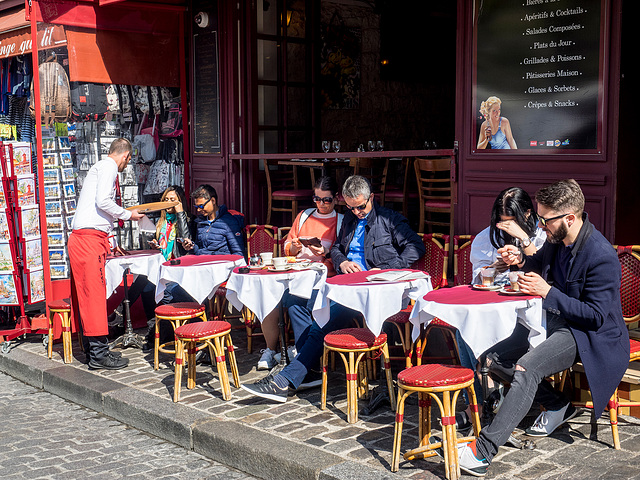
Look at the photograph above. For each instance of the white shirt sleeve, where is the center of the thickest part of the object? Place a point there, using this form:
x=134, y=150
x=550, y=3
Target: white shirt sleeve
x=104, y=193
x=482, y=253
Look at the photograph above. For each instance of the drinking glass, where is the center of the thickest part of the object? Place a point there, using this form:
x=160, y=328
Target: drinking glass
x=325, y=146
x=380, y=145
x=336, y=146
x=371, y=145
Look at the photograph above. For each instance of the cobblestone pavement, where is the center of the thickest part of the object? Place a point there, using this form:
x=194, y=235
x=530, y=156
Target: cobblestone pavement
x=45, y=436
x=570, y=453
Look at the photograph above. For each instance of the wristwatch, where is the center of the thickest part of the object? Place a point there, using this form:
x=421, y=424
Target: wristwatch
x=526, y=241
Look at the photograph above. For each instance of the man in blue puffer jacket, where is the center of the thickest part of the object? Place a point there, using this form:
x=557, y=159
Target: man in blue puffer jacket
x=217, y=231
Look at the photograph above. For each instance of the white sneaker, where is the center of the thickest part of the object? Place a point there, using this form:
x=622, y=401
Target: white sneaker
x=549, y=420
x=266, y=362
x=467, y=460
x=291, y=351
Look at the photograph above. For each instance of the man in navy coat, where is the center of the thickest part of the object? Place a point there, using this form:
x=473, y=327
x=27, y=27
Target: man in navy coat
x=577, y=273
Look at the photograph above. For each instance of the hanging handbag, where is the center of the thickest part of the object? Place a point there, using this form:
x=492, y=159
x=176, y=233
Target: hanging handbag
x=158, y=179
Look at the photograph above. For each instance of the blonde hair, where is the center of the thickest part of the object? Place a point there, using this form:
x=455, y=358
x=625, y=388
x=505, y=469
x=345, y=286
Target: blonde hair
x=488, y=104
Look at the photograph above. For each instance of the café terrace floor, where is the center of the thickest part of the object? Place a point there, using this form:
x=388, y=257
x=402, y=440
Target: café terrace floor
x=296, y=439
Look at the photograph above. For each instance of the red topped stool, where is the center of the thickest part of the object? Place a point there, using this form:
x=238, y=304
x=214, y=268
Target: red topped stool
x=62, y=309
x=214, y=334
x=428, y=380
x=353, y=344
x=177, y=314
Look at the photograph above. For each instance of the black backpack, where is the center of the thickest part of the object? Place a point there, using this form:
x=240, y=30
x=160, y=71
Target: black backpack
x=88, y=101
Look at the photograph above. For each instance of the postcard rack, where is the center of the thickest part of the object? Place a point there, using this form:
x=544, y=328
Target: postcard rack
x=21, y=267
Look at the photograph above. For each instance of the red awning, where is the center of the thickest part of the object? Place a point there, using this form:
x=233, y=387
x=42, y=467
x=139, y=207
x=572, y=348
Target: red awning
x=15, y=35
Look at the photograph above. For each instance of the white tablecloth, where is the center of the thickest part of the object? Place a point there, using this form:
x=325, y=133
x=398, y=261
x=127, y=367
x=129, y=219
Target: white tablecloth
x=144, y=262
x=377, y=301
x=482, y=325
x=261, y=291
x=200, y=275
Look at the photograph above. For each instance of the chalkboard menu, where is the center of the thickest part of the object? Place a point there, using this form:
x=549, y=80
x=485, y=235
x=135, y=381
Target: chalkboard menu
x=543, y=59
x=206, y=104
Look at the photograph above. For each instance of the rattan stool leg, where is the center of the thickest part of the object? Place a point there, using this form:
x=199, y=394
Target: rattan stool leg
x=388, y=374
x=179, y=361
x=156, y=344
x=352, y=389
x=50, y=344
x=221, y=364
x=424, y=418
x=323, y=389
x=473, y=405
x=449, y=437
x=397, y=435
x=190, y=346
x=232, y=360
x=66, y=338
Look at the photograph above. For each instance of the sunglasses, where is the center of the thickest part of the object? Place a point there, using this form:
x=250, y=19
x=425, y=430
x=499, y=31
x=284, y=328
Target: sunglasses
x=318, y=199
x=543, y=221
x=201, y=207
x=360, y=207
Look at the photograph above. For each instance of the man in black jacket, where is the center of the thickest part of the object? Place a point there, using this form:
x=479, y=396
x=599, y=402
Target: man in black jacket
x=371, y=237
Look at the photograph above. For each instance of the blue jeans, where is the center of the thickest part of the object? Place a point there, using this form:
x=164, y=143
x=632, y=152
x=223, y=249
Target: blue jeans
x=313, y=345
x=557, y=353
x=174, y=293
x=299, y=310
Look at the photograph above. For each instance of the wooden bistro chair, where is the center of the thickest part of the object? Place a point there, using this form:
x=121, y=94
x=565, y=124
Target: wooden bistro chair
x=375, y=170
x=434, y=262
x=405, y=194
x=282, y=236
x=353, y=344
x=630, y=299
x=283, y=187
x=428, y=381
x=436, y=193
x=462, y=267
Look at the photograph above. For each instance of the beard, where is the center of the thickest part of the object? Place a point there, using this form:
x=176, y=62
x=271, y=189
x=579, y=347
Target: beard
x=559, y=235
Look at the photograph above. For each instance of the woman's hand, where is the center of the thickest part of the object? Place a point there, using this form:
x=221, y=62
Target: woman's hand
x=533, y=284
x=295, y=246
x=317, y=250
x=154, y=244
x=487, y=132
x=512, y=228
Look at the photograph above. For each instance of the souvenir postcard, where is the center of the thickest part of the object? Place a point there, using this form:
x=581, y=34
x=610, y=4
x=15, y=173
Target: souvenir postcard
x=57, y=255
x=3, y=202
x=69, y=189
x=51, y=175
x=63, y=143
x=55, y=223
x=48, y=144
x=50, y=159
x=52, y=191
x=30, y=221
x=5, y=234
x=8, y=294
x=36, y=286
x=6, y=259
x=55, y=239
x=68, y=174
x=58, y=271
x=21, y=158
x=65, y=159
x=70, y=206
x=53, y=207
x=69, y=220
x=26, y=186
x=33, y=253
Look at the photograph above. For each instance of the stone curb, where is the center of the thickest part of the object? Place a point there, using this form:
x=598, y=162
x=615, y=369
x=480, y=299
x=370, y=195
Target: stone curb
x=232, y=443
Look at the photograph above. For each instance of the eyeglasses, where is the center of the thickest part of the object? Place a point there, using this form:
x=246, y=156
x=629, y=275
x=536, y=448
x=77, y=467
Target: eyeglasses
x=543, y=221
x=201, y=207
x=361, y=207
x=318, y=199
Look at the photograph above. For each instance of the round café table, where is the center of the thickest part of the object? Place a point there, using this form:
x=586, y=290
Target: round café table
x=140, y=262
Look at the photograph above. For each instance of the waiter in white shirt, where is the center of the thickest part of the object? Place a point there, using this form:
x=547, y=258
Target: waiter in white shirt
x=88, y=249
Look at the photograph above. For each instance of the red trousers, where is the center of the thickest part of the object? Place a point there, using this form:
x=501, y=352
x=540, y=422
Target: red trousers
x=88, y=250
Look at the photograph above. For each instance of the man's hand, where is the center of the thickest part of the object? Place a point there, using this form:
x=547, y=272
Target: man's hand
x=119, y=251
x=500, y=265
x=533, y=284
x=135, y=215
x=511, y=255
x=349, y=267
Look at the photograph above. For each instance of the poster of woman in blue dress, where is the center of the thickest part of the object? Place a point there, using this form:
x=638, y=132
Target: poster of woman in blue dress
x=495, y=131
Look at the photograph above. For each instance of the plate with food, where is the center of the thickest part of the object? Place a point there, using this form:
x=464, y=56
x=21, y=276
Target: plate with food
x=479, y=286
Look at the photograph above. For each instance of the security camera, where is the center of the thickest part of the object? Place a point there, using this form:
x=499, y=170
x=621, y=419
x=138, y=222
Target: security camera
x=202, y=19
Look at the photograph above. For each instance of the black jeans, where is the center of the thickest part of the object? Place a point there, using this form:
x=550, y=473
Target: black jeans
x=555, y=354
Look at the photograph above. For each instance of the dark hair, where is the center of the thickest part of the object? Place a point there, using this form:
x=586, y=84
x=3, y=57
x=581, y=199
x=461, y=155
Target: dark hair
x=205, y=191
x=328, y=184
x=512, y=202
x=564, y=196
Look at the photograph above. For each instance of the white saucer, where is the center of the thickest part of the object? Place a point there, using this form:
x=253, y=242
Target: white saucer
x=256, y=267
x=478, y=286
x=511, y=291
x=275, y=269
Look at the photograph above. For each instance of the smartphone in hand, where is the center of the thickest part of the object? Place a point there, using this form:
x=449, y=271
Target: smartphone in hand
x=310, y=241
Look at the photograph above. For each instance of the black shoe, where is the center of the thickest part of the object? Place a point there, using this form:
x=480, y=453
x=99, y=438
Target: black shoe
x=115, y=354
x=203, y=357
x=147, y=347
x=267, y=388
x=108, y=362
x=311, y=380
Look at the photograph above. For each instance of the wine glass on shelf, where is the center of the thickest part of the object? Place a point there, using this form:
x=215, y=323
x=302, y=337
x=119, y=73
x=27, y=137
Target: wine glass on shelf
x=325, y=148
x=336, y=146
x=380, y=145
x=371, y=145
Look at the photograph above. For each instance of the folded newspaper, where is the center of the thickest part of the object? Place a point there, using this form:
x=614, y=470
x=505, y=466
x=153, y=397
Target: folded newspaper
x=396, y=276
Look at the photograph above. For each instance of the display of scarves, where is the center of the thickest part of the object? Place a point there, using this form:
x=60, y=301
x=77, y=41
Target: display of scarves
x=167, y=236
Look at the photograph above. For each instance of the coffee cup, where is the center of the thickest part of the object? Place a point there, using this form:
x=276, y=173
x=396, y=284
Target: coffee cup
x=488, y=275
x=279, y=262
x=513, y=280
x=266, y=258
